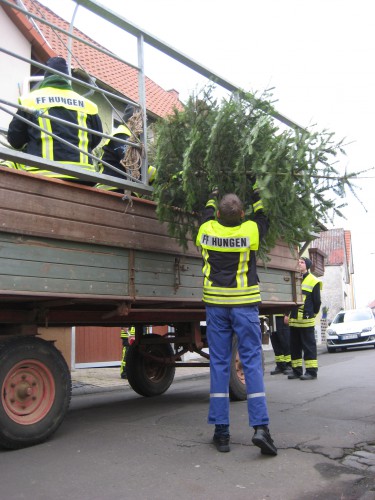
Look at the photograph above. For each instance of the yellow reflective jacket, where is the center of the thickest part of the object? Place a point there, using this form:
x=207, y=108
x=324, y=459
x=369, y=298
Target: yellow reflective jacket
x=229, y=253
x=304, y=315
x=63, y=103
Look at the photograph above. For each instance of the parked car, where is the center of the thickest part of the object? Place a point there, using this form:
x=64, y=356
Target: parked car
x=351, y=328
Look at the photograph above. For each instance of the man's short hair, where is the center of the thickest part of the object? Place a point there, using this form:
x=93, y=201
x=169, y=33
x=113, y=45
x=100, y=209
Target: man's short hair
x=230, y=210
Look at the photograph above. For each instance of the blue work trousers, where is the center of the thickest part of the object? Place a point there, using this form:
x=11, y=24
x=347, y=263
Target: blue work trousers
x=222, y=323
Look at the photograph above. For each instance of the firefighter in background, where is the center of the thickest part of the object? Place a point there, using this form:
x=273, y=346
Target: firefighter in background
x=280, y=340
x=125, y=334
x=302, y=325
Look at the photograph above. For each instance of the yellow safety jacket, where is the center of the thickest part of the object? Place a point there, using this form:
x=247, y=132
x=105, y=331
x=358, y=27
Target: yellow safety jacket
x=113, y=153
x=229, y=270
x=304, y=315
x=121, y=129
x=70, y=106
x=126, y=333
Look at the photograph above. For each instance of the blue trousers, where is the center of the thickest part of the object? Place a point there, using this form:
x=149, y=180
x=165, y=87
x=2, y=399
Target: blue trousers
x=222, y=323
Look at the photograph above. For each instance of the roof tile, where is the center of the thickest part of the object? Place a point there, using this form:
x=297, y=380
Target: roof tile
x=114, y=73
x=334, y=243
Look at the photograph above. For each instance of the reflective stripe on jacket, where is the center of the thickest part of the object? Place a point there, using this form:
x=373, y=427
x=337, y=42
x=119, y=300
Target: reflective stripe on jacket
x=125, y=333
x=120, y=130
x=67, y=105
x=304, y=315
x=229, y=269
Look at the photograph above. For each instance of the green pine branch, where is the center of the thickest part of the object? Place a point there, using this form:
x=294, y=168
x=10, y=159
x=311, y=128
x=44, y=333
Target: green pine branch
x=217, y=144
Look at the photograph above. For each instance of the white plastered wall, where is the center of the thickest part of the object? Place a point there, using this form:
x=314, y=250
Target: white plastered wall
x=13, y=70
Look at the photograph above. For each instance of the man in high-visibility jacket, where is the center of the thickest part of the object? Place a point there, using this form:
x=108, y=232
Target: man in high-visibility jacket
x=114, y=152
x=280, y=340
x=125, y=334
x=302, y=325
x=55, y=98
x=231, y=294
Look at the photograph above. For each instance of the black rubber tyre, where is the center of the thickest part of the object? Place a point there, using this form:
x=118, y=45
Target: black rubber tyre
x=331, y=349
x=36, y=390
x=147, y=377
x=237, y=385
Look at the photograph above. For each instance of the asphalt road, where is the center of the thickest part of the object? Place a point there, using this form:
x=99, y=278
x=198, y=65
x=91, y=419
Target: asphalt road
x=116, y=445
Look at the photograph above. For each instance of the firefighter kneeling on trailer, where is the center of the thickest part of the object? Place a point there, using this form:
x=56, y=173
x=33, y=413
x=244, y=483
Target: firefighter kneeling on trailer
x=114, y=153
x=55, y=98
x=126, y=341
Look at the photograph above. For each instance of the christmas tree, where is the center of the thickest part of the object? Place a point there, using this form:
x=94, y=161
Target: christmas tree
x=225, y=145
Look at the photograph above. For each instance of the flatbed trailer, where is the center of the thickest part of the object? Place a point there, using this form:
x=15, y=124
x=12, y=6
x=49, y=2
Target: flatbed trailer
x=72, y=255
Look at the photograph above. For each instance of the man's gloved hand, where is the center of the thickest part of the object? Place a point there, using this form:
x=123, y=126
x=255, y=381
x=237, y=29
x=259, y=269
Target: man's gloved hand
x=252, y=179
x=214, y=193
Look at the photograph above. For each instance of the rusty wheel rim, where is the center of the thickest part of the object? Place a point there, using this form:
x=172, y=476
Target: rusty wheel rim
x=239, y=369
x=28, y=392
x=154, y=372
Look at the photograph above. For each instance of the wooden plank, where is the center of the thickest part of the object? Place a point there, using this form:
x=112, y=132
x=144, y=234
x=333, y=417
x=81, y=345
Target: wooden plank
x=275, y=276
x=165, y=279
x=45, y=266
x=49, y=270
x=60, y=210
x=82, y=232
x=80, y=214
x=56, y=209
x=62, y=286
x=54, y=266
x=61, y=252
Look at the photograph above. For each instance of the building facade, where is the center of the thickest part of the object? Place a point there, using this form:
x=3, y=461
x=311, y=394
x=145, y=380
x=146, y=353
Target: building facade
x=338, y=290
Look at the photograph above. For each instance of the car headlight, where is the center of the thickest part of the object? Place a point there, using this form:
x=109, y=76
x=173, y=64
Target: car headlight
x=330, y=331
x=367, y=329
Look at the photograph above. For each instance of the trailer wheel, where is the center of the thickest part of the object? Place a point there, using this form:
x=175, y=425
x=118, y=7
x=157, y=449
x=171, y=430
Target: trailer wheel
x=237, y=384
x=35, y=391
x=147, y=377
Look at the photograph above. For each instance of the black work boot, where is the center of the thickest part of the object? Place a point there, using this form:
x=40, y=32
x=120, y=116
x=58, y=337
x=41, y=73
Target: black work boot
x=262, y=439
x=309, y=376
x=277, y=370
x=221, y=442
x=294, y=374
x=221, y=438
x=288, y=370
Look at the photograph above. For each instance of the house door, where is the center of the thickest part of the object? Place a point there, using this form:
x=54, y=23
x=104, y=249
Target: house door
x=97, y=346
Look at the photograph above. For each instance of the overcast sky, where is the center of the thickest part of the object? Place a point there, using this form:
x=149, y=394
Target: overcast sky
x=317, y=55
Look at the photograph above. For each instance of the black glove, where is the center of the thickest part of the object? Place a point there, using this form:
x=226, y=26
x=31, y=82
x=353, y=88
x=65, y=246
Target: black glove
x=214, y=193
x=252, y=179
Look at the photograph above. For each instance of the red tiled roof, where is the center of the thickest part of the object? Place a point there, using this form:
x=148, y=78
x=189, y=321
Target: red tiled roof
x=114, y=73
x=333, y=243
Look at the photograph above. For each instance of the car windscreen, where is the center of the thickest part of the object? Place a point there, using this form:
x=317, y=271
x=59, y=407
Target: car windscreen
x=346, y=317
